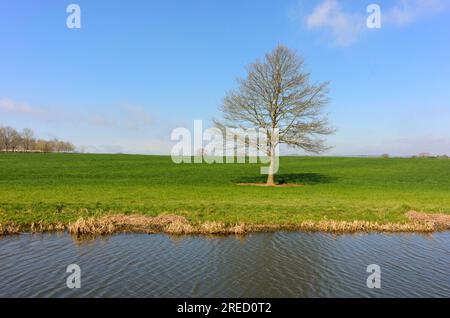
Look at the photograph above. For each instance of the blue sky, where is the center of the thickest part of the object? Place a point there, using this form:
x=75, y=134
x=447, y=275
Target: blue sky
x=137, y=69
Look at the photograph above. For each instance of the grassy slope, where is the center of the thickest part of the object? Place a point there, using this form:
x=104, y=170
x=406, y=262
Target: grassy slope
x=61, y=187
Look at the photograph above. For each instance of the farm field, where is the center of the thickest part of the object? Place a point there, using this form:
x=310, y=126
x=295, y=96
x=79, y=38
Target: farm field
x=63, y=187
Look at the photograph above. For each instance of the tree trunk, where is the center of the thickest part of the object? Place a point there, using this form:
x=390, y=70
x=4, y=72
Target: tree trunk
x=270, y=176
x=270, y=179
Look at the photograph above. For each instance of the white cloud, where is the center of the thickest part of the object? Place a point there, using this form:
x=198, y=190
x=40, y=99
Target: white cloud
x=135, y=117
x=345, y=27
x=128, y=116
x=12, y=106
x=408, y=11
x=126, y=128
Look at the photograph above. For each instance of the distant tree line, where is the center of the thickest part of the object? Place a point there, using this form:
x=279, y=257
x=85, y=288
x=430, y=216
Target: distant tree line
x=25, y=141
x=421, y=155
x=427, y=155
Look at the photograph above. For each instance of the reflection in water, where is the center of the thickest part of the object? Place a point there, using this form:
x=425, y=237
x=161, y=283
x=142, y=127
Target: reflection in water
x=282, y=264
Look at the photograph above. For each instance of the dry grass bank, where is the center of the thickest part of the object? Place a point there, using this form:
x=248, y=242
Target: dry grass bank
x=178, y=225
x=438, y=220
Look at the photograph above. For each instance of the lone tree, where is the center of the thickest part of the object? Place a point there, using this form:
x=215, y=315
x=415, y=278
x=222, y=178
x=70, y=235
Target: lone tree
x=277, y=95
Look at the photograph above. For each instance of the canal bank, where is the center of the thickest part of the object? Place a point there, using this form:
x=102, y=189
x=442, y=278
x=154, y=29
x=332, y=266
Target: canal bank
x=175, y=224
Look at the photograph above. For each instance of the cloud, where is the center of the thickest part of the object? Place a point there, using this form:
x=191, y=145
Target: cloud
x=127, y=117
x=124, y=128
x=408, y=11
x=344, y=27
x=136, y=117
x=11, y=106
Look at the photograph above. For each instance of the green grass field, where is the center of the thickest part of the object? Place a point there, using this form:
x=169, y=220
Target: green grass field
x=62, y=187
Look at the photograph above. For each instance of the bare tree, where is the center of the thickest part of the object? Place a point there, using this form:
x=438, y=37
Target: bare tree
x=27, y=139
x=69, y=147
x=44, y=145
x=277, y=95
x=15, y=139
x=62, y=146
x=2, y=138
x=10, y=138
x=40, y=145
x=56, y=145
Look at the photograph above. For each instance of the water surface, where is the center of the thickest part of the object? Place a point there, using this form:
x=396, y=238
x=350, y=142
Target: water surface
x=282, y=264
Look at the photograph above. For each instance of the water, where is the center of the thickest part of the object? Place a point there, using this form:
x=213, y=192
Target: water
x=282, y=264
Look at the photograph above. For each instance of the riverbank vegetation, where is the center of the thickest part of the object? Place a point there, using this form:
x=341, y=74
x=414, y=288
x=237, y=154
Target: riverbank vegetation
x=40, y=192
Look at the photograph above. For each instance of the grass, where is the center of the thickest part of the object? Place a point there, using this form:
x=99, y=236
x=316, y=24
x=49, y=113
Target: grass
x=61, y=188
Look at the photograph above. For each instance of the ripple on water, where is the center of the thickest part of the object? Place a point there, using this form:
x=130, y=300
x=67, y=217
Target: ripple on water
x=281, y=264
